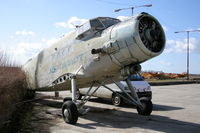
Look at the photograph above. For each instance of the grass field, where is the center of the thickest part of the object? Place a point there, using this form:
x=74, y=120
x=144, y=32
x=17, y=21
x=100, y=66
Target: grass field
x=12, y=90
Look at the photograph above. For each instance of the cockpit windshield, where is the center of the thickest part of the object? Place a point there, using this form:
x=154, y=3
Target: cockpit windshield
x=96, y=24
x=93, y=26
x=107, y=22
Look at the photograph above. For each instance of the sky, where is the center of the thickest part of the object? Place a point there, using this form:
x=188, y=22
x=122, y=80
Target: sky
x=28, y=26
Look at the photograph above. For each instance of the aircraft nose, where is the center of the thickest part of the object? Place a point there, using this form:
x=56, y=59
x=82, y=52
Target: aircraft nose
x=151, y=34
x=135, y=40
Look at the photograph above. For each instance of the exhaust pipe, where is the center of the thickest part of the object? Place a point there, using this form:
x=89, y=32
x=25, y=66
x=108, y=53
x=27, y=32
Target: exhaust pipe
x=129, y=70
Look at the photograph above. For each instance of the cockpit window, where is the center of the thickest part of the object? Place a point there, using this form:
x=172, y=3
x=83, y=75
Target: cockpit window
x=96, y=24
x=109, y=21
x=93, y=26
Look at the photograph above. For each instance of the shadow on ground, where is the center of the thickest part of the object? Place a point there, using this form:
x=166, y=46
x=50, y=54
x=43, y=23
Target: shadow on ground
x=156, y=107
x=121, y=119
x=113, y=118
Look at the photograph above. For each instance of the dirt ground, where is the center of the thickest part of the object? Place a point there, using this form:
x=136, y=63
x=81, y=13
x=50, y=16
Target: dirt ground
x=176, y=109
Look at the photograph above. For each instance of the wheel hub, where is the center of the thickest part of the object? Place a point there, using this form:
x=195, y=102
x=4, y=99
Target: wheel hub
x=66, y=113
x=116, y=100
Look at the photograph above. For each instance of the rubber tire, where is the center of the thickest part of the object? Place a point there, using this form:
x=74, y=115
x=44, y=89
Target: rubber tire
x=117, y=98
x=67, y=99
x=72, y=112
x=148, y=107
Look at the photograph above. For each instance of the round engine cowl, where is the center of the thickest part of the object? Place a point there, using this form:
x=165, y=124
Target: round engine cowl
x=151, y=33
x=135, y=40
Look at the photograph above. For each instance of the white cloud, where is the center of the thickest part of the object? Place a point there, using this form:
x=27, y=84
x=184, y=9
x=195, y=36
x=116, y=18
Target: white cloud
x=49, y=42
x=61, y=24
x=74, y=21
x=123, y=18
x=165, y=63
x=11, y=37
x=24, y=33
x=23, y=51
x=179, y=46
x=71, y=23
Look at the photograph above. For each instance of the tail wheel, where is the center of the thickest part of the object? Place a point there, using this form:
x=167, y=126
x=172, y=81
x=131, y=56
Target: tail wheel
x=146, y=109
x=69, y=112
x=116, y=100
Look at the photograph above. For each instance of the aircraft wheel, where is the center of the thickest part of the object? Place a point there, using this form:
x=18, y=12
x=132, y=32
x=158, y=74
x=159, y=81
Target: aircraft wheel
x=116, y=100
x=147, y=107
x=69, y=112
x=67, y=99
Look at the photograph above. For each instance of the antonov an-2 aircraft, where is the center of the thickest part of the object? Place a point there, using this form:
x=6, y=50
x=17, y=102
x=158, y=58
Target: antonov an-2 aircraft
x=103, y=50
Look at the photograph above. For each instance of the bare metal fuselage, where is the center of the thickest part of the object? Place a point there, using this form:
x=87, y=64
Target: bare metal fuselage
x=122, y=45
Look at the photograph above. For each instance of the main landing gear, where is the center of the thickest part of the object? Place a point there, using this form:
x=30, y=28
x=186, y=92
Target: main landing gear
x=71, y=110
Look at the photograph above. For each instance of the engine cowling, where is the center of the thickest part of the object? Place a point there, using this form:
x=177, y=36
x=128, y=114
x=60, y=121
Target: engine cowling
x=135, y=40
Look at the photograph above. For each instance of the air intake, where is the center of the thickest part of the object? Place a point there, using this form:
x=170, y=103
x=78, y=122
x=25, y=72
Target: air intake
x=151, y=33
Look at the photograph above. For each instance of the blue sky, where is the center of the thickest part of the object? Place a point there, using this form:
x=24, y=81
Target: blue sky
x=27, y=26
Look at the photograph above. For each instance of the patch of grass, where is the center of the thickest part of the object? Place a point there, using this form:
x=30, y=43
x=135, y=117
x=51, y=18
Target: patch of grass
x=12, y=89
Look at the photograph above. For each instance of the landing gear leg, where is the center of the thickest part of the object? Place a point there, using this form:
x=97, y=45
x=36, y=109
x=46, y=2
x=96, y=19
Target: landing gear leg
x=133, y=93
x=72, y=109
x=69, y=108
x=74, y=88
x=144, y=107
